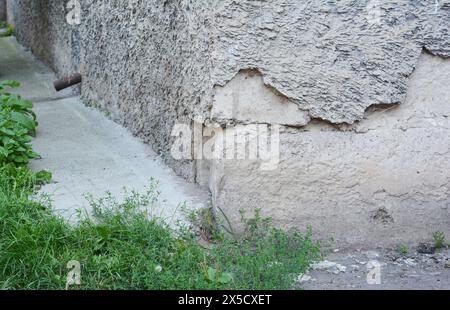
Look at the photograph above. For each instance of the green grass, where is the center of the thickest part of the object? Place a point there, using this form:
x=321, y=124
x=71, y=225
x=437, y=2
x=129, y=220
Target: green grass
x=119, y=247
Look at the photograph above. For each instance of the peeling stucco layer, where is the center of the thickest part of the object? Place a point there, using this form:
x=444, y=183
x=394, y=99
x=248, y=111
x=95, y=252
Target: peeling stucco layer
x=332, y=58
x=384, y=181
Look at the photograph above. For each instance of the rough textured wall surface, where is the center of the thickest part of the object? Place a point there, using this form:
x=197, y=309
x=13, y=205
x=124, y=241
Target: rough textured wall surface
x=2, y=10
x=145, y=63
x=372, y=182
x=41, y=26
x=148, y=65
x=152, y=64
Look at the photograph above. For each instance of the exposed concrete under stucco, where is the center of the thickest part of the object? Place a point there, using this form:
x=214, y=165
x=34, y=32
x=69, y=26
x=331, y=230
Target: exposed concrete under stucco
x=245, y=99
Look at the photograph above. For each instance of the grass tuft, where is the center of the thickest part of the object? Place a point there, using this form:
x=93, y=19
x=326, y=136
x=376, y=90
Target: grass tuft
x=439, y=240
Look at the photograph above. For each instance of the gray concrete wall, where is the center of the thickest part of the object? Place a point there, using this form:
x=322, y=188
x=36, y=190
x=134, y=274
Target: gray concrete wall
x=143, y=62
x=318, y=68
x=41, y=26
x=2, y=10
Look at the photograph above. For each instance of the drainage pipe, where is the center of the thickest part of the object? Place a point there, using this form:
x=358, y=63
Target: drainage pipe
x=67, y=82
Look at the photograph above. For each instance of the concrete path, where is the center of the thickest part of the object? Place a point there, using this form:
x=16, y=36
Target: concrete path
x=86, y=152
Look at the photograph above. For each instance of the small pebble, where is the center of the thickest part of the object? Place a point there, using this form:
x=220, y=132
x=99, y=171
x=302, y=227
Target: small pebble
x=410, y=262
x=372, y=254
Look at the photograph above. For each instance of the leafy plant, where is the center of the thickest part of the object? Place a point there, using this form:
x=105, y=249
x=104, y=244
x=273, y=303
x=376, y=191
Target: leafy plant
x=43, y=177
x=8, y=30
x=403, y=249
x=214, y=275
x=21, y=109
x=17, y=125
x=8, y=83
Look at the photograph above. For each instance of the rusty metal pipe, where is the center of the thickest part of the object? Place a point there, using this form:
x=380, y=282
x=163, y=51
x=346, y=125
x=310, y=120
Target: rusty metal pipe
x=67, y=82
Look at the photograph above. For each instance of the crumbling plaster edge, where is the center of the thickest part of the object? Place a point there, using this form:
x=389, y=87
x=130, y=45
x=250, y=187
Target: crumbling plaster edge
x=267, y=80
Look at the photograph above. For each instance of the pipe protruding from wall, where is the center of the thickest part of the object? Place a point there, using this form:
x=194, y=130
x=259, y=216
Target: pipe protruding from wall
x=67, y=82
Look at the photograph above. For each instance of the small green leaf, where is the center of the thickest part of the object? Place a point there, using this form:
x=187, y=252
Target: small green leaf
x=24, y=120
x=211, y=274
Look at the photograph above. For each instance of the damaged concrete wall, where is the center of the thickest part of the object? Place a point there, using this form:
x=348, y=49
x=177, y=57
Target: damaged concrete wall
x=303, y=64
x=379, y=176
x=382, y=181
x=334, y=59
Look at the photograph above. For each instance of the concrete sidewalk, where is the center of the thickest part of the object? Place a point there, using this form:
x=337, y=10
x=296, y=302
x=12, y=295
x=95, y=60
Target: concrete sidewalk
x=86, y=152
